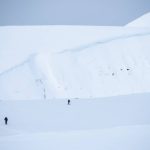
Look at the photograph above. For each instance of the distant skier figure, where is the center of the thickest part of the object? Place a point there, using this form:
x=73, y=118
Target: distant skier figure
x=68, y=101
x=6, y=120
x=113, y=74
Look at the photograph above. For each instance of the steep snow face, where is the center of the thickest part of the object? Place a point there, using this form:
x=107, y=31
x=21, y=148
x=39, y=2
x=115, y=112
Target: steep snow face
x=73, y=62
x=143, y=21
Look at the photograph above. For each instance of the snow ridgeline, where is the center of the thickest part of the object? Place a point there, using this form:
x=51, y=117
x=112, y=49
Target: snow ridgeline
x=106, y=64
x=143, y=21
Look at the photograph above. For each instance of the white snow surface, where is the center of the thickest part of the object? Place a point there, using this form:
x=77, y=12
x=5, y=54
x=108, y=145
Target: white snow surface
x=112, y=123
x=43, y=62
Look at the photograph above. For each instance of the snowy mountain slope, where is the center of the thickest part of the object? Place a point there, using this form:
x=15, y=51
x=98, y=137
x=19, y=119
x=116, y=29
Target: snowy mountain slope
x=42, y=64
x=18, y=43
x=73, y=62
x=120, y=122
x=143, y=21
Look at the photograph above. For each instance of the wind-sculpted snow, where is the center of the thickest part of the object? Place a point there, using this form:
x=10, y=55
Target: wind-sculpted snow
x=104, y=41
x=80, y=48
x=117, y=63
x=14, y=68
x=18, y=43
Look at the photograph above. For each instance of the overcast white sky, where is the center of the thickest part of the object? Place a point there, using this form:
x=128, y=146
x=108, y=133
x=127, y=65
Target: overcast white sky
x=71, y=12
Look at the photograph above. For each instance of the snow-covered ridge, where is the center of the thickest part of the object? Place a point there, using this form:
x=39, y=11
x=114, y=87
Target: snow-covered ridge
x=76, y=62
x=143, y=21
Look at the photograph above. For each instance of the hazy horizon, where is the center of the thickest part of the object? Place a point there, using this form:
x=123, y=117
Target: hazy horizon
x=69, y=12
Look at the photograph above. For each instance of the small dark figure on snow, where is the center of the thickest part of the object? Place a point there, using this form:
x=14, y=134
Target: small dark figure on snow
x=6, y=120
x=68, y=101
